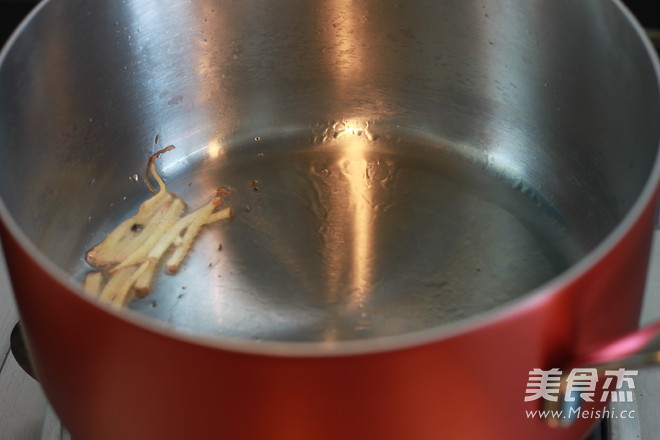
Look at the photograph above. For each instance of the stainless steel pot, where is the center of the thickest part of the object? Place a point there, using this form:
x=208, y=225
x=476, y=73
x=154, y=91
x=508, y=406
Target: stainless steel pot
x=431, y=176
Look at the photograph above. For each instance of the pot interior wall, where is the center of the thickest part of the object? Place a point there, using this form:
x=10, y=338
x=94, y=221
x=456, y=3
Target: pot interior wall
x=416, y=162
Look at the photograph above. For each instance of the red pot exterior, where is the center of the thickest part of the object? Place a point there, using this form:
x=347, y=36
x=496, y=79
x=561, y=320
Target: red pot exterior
x=110, y=379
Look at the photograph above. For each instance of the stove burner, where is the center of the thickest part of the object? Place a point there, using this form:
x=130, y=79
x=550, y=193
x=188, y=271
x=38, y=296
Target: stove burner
x=19, y=350
x=600, y=432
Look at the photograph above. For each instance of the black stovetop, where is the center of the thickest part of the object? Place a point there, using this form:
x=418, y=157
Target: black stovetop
x=11, y=13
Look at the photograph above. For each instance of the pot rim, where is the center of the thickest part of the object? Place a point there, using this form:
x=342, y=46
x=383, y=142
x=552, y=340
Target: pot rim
x=501, y=312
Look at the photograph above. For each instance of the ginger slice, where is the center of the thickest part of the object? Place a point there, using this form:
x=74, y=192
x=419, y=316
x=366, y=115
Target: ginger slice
x=153, y=232
x=184, y=243
x=174, y=234
x=117, y=286
x=199, y=218
x=151, y=168
x=120, y=284
x=131, y=252
x=142, y=285
x=93, y=283
x=223, y=214
x=142, y=234
x=109, y=251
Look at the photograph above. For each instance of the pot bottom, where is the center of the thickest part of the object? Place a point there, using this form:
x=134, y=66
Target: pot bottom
x=348, y=238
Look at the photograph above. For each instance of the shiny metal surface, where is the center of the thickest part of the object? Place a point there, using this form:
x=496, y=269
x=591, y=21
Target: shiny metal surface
x=418, y=162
